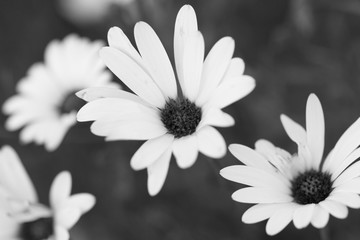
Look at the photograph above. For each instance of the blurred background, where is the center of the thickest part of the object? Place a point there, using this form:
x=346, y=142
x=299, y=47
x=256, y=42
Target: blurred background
x=291, y=47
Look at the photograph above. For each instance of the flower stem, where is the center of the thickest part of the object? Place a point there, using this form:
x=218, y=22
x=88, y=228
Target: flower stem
x=324, y=233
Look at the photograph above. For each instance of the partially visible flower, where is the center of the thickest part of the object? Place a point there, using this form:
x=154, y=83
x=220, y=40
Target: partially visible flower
x=27, y=218
x=178, y=121
x=301, y=187
x=85, y=12
x=46, y=105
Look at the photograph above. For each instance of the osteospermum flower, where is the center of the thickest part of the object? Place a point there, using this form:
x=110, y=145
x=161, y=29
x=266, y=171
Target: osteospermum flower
x=173, y=120
x=46, y=105
x=27, y=218
x=301, y=187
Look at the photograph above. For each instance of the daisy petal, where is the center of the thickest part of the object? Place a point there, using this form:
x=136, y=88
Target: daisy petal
x=13, y=176
x=117, y=39
x=210, y=142
x=185, y=150
x=350, y=186
x=315, y=129
x=336, y=209
x=157, y=172
x=151, y=151
x=294, y=130
x=280, y=219
x=347, y=161
x=156, y=58
x=61, y=233
x=132, y=75
x=215, y=66
x=260, y=212
x=260, y=195
x=250, y=157
x=347, y=175
x=185, y=25
x=349, y=199
x=303, y=215
x=94, y=93
x=67, y=217
x=60, y=189
x=82, y=201
x=216, y=117
x=320, y=217
x=193, y=58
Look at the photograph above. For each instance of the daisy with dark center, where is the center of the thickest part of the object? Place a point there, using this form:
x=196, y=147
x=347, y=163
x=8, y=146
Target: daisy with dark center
x=179, y=121
x=301, y=187
x=21, y=214
x=46, y=105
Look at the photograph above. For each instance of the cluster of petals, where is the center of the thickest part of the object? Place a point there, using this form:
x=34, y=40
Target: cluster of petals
x=211, y=83
x=69, y=65
x=270, y=171
x=19, y=201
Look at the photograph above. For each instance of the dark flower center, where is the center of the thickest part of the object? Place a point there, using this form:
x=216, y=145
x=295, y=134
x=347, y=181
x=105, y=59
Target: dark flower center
x=180, y=117
x=71, y=103
x=39, y=229
x=311, y=187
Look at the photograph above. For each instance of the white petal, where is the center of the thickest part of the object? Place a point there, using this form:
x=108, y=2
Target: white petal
x=350, y=186
x=156, y=58
x=150, y=151
x=250, y=157
x=94, y=93
x=132, y=75
x=260, y=195
x=117, y=39
x=303, y=215
x=232, y=90
x=254, y=177
x=336, y=209
x=157, y=172
x=115, y=108
x=31, y=213
x=185, y=25
x=347, y=161
x=216, y=117
x=320, y=217
x=67, y=217
x=82, y=201
x=350, y=173
x=13, y=176
x=349, y=199
x=193, y=58
x=344, y=146
x=60, y=189
x=315, y=129
x=61, y=233
x=210, y=142
x=280, y=219
x=260, y=212
x=294, y=130
x=214, y=68
x=185, y=150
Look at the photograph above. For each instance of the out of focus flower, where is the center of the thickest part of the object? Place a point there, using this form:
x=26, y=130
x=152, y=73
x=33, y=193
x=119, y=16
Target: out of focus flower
x=300, y=187
x=85, y=12
x=178, y=121
x=26, y=217
x=46, y=105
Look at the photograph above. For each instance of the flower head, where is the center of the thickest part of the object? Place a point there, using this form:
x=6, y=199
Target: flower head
x=301, y=187
x=26, y=217
x=171, y=119
x=46, y=105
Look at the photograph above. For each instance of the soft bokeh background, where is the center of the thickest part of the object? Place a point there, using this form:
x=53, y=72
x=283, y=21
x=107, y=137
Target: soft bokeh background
x=291, y=47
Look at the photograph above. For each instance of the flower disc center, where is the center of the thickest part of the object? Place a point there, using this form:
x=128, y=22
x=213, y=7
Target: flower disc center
x=180, y=117
x=39, y=229
x=71, y=103
x=311, y=187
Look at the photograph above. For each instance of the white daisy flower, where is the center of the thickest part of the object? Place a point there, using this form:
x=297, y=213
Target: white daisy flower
x=27, y=218
x=46, y=105
x=173, y=120
x=300, y=187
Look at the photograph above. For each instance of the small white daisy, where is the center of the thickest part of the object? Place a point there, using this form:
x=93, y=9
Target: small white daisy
x=178, y=121
x=46, y=105
x=300, y=187
x=26, y=217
